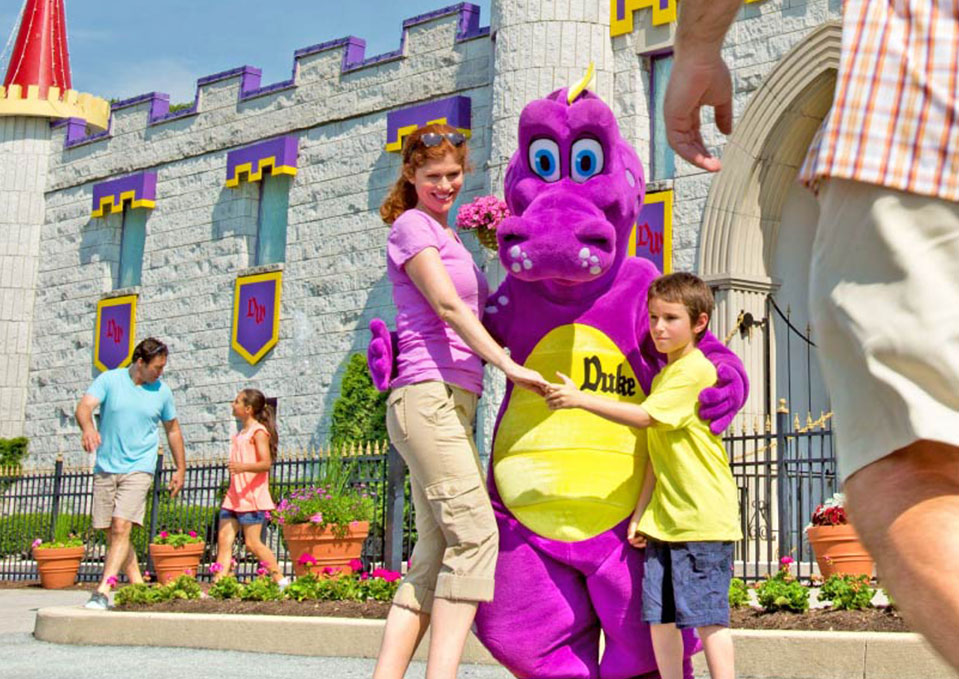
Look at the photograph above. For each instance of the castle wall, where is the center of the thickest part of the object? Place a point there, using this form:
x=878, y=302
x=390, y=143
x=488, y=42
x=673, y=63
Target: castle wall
x=198, y=237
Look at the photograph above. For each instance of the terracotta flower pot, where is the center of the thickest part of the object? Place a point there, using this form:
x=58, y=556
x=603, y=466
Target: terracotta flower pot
x=328, y=550
x=171, y=562
x=838, y=550
x=58, y=566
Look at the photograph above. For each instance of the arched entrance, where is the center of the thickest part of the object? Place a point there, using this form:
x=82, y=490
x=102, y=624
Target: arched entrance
x=744, y=253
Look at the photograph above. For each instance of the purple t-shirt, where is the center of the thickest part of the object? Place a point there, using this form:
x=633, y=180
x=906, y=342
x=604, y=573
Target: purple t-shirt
x=428, y=348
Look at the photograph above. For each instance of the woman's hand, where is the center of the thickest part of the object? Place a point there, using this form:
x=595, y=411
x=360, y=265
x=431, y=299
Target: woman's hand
x=565, y=395
x=236, y=467
x=526, y=378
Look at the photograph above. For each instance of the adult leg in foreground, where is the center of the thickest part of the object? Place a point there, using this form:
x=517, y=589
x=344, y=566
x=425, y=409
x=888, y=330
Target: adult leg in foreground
x=884, y=300
x=905, y=507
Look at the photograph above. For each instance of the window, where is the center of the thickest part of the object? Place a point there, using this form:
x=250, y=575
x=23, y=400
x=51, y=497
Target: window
x=271, y=219
x=662, y=161
x=132, y=238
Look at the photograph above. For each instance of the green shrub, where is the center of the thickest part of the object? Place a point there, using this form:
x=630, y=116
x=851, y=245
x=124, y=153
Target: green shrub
x=262, y=588
x=226, y=588
x=18, y=531
x=847, y=592
x=141, y=593
x=184, y=587
x=12, y=451
x=359, y=413
x=738, y=593
x=782, y=592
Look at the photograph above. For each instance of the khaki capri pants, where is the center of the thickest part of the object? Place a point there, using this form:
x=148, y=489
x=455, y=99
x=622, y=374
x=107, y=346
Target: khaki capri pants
x=431, y=426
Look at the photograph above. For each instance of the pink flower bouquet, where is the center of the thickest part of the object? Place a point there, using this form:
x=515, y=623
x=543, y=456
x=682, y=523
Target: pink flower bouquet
x=482, y=215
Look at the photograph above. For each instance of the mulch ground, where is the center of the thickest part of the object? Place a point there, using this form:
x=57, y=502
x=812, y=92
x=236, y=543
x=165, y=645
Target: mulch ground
x=821, y=619
x=818, y=619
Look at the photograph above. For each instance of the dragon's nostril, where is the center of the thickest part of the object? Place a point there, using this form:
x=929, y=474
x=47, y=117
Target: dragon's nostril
x=513, y=239
x=599, y=242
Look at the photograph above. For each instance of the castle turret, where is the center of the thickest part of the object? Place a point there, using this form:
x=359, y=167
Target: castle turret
x=35, y=91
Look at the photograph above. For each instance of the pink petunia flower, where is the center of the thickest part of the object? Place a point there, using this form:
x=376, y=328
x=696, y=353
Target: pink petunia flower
x=164, y=534
x=188, y=571
x=356, y=565
x=215, y=567
x=388, y=575
x=37, y=543
x=316, y=518
x=112, y=581
x=261, y=571
x=786, y=560
x=364, y=576
x=306, y=559
x=192, y=534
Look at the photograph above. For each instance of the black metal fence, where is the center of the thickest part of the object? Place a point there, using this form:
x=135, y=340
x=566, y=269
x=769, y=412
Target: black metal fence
x=53, y=504
x=782, y=469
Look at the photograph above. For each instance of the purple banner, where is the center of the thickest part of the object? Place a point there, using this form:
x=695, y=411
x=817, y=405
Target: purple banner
x=256, y=315
x=652, y=236
x=116, y=327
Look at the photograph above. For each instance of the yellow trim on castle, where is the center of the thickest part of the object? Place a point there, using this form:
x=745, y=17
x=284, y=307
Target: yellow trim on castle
x=262, y=164
x=110, y=204
x=69, y=104
x=403, y=132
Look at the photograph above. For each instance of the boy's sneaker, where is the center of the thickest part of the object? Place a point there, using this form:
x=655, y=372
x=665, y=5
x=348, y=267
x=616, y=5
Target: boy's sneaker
x=283, y=583
x=97, y=602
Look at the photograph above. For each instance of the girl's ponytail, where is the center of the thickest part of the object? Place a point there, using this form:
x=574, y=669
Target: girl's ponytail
x=264, y=414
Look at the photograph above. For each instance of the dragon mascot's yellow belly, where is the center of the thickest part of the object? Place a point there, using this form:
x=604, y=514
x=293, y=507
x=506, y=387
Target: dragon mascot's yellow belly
x=569, y=475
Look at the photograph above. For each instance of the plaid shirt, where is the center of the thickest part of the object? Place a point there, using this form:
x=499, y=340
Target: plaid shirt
x=895, y=115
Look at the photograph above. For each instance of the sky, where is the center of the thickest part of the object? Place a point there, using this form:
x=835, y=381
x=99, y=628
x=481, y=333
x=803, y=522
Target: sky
x=122, y=48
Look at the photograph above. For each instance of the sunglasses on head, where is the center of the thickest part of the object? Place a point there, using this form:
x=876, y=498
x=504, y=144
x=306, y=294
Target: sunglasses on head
x=431, y=139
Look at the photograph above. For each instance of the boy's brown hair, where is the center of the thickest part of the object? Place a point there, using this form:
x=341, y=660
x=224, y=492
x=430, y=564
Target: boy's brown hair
x=687, y=289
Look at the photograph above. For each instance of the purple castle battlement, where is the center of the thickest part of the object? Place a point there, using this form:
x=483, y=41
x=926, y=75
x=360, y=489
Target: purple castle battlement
x=353, y=58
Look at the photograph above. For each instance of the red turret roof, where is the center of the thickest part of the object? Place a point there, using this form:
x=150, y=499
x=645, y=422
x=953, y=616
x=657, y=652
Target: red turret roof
x=40, y=55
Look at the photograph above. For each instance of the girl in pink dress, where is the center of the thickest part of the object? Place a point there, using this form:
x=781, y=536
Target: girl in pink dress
x=248, y=500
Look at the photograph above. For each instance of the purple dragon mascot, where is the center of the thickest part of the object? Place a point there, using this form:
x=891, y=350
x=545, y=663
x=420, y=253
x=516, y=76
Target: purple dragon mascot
x=563, y=484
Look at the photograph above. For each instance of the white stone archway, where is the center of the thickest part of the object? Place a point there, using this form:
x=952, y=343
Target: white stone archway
x=744, y=210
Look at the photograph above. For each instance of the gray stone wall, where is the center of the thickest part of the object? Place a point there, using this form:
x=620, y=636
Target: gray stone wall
x=24, y=143
x=200, y=236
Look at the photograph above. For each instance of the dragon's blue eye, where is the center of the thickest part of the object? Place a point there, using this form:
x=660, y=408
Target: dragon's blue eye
x=544, y=159
x=587, y=159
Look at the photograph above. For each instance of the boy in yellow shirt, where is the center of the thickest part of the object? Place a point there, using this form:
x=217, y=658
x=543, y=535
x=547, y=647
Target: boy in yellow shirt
x=687, y=516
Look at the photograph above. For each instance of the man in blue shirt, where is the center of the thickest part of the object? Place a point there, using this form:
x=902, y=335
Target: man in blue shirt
x=132, y=401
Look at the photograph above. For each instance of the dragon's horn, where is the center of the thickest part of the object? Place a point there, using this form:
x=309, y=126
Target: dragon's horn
x=580, y=85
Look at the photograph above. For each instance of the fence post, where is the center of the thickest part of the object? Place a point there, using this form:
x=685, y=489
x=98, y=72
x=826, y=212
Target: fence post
x=783, y=494
x=395, y=498
x=157, y=485
x=55, y=507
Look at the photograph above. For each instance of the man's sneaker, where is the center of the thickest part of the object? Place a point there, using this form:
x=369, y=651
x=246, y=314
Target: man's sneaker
x=97, y=602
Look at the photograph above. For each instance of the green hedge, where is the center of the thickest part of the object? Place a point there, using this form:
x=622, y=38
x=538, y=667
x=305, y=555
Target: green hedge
x=359, y=413
x=12, y=451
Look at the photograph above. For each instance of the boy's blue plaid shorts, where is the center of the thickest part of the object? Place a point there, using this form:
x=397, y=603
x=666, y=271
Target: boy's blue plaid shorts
x=687, y=583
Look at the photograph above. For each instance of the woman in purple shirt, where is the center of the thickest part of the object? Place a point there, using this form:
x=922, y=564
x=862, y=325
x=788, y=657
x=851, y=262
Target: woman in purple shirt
x=439, y=295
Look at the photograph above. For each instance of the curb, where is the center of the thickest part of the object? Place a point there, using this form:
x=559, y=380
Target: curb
x=760, y=654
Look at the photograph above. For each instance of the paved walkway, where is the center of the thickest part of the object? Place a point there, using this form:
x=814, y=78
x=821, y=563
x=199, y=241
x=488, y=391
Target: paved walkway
x=23, y=657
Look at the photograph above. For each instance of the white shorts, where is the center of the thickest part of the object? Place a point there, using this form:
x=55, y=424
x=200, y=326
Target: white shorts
x=884, y=303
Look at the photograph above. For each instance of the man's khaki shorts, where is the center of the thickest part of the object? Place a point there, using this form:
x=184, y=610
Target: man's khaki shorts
x=120, y=495
x=884, y=302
